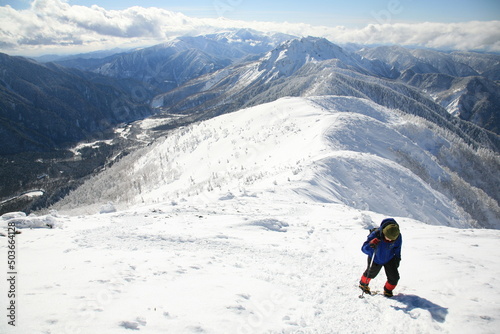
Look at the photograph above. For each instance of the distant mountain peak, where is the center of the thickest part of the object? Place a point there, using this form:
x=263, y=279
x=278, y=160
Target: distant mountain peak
x=291, y=55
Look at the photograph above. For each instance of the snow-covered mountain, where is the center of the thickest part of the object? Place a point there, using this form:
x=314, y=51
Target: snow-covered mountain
x=252, y=222
x=306, y=66
x=47, y=108
x=165, y=66
x=311, y=67
x=488, y=65
x=419, y=60
x=169, y=65
x=462, y=82
x=206, y=76
x=243, y=201
x=326, y=142
x=292, y=55
x=475, y=98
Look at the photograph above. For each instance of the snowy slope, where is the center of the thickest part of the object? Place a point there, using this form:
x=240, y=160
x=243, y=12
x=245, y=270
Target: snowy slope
x=259, y=262
x=419, y=60
x=252, y=222
x=316, y=67
x=290, y=56
x=296, y=143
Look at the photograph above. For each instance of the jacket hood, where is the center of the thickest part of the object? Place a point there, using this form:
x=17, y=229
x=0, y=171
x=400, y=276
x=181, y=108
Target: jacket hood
x=386, y=222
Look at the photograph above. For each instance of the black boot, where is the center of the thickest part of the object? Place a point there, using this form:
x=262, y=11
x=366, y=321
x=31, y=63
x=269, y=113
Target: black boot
x=388, y=293
x=365, y=288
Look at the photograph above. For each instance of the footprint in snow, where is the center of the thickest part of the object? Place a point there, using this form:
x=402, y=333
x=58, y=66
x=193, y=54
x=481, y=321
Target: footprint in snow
x=238, y=309
x=133, y=325
x=130, y=325
x=271, y=225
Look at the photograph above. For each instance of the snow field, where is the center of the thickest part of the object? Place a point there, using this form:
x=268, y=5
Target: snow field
x=252, y=222
x=266, y=263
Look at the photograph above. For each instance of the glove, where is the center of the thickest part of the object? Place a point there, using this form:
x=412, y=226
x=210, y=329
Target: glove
x=374, y=243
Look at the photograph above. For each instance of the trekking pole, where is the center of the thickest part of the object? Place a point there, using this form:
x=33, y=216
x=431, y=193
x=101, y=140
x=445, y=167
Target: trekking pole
x=368, y=271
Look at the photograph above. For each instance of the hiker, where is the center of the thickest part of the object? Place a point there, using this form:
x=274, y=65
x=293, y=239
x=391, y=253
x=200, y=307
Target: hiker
x=385, y=242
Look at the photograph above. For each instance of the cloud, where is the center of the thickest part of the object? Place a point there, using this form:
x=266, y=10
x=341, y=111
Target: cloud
x=462, y=36
x=57, y=25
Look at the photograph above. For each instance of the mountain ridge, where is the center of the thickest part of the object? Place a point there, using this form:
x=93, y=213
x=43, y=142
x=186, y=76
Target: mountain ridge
x=245, y=69
x=251, y=83
x=335, y=140
x=193, y=56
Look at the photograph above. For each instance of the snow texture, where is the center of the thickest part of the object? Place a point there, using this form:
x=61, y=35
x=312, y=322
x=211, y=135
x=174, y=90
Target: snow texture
x=252, y=222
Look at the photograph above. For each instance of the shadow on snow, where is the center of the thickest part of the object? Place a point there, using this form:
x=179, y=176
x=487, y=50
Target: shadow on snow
x=412, y=302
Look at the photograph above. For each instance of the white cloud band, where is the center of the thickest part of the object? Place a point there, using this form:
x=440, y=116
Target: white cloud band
x=57, y=25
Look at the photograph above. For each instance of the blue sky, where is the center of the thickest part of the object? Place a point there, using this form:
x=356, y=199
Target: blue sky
x=316, y=12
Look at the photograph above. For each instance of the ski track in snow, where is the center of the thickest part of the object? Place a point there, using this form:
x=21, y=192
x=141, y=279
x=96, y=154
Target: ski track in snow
x=266, y=246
